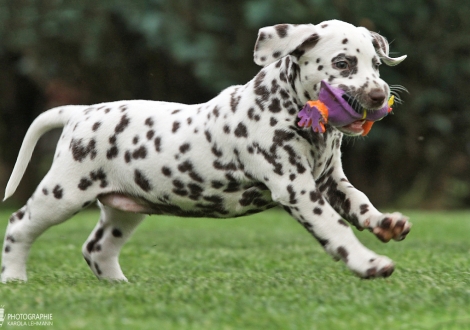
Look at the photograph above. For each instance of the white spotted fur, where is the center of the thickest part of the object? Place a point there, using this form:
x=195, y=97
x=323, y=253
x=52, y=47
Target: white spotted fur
x=254, y=158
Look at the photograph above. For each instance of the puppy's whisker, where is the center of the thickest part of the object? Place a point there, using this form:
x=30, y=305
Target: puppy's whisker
x=396, y=90
x=399, y=88
x=398, y=99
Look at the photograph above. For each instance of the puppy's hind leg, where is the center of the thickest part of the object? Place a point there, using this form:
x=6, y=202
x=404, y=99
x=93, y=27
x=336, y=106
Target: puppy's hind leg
x=45, y=208
x=101, y=249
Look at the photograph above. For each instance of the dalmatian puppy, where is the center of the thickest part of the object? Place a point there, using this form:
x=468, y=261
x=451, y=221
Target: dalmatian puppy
x=240, y=153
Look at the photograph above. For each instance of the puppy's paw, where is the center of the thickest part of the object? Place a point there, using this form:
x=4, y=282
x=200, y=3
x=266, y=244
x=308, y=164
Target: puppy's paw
x=379, y=267
x=391, y=226
x=371, y=266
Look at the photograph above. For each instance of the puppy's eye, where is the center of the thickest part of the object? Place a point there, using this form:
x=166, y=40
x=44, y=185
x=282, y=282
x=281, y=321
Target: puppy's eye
x=341, y=65
x=377, y=65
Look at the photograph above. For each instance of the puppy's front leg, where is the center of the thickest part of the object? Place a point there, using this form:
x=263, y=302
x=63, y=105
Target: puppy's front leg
x=354, y=206
x=308, y=206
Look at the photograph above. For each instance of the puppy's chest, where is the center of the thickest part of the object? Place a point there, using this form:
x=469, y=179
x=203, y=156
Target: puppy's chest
x=325, y=148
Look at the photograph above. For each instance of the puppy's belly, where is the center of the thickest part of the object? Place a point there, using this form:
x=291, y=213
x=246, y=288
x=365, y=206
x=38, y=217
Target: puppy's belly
x=231, y=205
x=124, y=203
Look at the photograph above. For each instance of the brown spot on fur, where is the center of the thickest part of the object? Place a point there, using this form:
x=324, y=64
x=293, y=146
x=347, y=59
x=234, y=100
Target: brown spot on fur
x=142, y=181
x=343, y=253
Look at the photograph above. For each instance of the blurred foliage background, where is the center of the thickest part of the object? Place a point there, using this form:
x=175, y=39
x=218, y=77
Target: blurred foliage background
x=55, y=52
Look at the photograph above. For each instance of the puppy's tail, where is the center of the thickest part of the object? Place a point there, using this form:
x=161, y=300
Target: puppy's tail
x=46, y=121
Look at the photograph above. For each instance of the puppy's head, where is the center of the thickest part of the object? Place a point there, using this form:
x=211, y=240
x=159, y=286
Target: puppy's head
x=343, y=55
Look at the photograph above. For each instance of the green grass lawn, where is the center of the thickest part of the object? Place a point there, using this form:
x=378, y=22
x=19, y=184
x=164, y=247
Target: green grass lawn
x=259, y=272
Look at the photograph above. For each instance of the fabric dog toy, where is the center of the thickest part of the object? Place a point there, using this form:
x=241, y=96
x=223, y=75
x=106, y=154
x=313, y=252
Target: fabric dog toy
x=332, y=107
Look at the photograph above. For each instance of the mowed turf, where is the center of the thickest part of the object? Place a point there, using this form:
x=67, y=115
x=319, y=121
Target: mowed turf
x=258, y=272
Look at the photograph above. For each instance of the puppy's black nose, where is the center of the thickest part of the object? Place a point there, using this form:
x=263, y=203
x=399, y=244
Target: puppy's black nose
x=377, y=96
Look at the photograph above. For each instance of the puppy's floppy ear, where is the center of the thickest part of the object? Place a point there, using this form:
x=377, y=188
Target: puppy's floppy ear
x=382, y=48
x=275, y=42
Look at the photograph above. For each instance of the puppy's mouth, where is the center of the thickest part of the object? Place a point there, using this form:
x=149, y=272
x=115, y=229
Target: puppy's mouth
x=360, y=126
x=354, y=129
